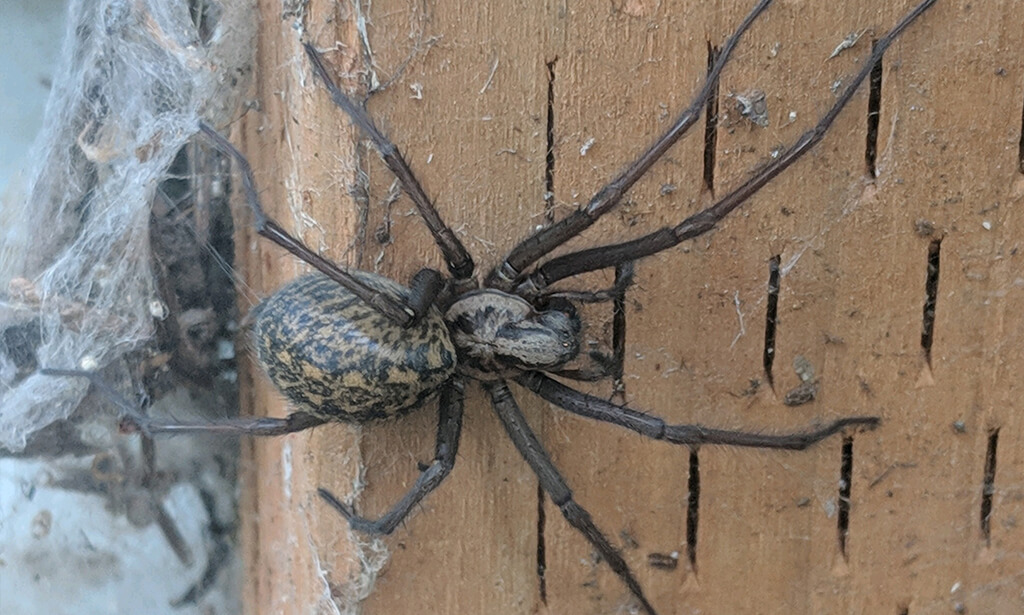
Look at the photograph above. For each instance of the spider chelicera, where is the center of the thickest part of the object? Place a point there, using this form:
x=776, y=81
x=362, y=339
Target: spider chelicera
x=354, y=346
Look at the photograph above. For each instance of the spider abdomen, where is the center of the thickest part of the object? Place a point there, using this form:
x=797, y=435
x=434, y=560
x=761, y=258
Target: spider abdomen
x=337, y=358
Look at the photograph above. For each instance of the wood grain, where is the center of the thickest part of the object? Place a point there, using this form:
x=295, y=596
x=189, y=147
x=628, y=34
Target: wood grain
x=468, y=105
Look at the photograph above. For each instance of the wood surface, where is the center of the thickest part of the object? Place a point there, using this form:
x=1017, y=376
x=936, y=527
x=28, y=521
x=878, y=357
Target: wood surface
x=468, y=105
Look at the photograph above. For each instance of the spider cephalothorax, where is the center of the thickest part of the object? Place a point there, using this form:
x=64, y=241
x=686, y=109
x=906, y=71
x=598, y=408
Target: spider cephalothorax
x=341, y=360
x=354, y=346
x=497, y=333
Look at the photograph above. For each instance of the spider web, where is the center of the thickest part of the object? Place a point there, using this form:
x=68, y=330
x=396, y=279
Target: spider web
x=76, y=289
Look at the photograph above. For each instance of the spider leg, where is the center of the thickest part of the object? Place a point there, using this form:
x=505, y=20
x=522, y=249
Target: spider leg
x=460, y=263
x=133, y=420
x=605, y=366
x=504, y=276
x=424, y=288
x=552, y=482
x=391, y=307
x=703, y=221
x=449, y=428
x=656, y=428
x=601, y=369
x=258, y=426
x=623, y=280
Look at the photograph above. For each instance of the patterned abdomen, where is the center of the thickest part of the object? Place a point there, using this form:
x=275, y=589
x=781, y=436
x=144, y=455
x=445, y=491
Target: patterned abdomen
x=335, y=357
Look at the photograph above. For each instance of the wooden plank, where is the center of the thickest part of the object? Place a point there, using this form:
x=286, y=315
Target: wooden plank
x=469, y=104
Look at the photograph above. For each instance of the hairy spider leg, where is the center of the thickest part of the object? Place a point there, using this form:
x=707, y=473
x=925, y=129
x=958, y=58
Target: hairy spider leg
x=605, y=366
x=552, y=482
x=507, y=273
x=449, y=428
x=460, y=263
x=394, y=308
x=703, y=221
x=260, y=426
x=656, y=428
x=134, y=421
x=623, y=280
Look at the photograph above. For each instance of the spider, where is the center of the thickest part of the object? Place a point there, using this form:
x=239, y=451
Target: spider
x=356, y=347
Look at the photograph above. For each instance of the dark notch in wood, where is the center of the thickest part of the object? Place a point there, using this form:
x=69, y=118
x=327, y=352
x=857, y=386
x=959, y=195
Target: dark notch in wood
x=711, y=124
x=549, y=156
x=542, y=555
x=988, y=487
x=1020, y=150
x=771, y=317
x=549, y=216
x=692, y=509
x=931, y=294
x=845, y=480
x=874, y=110
x=619, y=332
